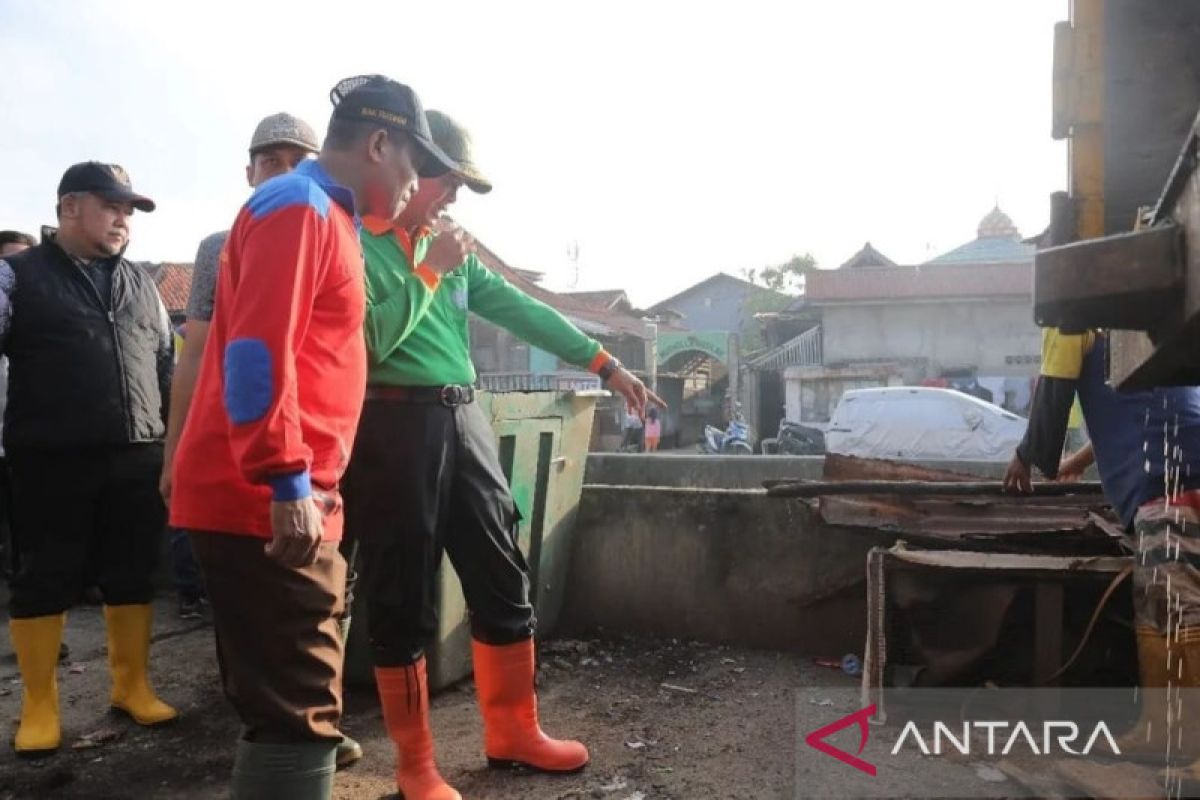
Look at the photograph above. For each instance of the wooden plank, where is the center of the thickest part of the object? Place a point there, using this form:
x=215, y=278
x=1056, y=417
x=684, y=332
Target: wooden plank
x=806, y=488
x=1124, y=781
x=1045, y=786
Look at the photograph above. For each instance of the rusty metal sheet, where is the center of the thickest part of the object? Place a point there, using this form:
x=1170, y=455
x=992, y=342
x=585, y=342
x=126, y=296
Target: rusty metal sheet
x=1051, y=525
x=839, y=467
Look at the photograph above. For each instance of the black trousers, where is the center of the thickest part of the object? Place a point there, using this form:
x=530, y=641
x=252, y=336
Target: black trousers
x=8, y=561
x=424, y=479
x=82, y=516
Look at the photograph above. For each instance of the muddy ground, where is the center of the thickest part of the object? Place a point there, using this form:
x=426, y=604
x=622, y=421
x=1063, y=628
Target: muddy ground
x=724, y=726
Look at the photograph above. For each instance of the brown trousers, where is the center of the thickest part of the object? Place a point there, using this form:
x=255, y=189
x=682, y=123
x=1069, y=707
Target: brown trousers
x=278, y=644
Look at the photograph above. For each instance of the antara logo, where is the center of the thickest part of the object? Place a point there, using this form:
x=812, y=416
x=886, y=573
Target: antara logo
x=1057, y=737
x=1067, y=734
x=816, y=739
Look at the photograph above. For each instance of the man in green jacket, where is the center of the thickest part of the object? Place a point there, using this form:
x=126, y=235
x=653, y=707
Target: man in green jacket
x=425, y=477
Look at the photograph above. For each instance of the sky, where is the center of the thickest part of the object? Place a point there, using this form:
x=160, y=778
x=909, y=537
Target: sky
x=635, y=145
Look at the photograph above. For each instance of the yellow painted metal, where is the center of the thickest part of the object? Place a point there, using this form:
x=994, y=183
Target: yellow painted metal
x=1087, y=115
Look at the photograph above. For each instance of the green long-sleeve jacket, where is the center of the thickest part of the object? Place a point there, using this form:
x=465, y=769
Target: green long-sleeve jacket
x=416, y=324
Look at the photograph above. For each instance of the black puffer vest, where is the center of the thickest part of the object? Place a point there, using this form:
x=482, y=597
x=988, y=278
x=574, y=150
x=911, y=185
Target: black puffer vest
x=79, y=374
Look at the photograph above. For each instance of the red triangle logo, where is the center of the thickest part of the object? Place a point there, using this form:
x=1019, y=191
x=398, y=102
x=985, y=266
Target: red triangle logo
x=816, y=739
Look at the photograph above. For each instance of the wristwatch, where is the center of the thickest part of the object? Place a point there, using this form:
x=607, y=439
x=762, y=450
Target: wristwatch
x=609, y=369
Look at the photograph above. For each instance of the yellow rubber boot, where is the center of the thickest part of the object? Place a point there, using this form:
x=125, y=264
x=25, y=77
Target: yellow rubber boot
x=1189, y=643
x=1158, y=667
x=36, y=641
x=129, y=662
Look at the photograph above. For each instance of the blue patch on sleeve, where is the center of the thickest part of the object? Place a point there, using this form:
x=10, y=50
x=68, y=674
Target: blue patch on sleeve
x=288, y=190
x=248, y=384
x=285, y=488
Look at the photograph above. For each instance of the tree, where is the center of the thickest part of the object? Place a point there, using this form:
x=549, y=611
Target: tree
x=787, y=277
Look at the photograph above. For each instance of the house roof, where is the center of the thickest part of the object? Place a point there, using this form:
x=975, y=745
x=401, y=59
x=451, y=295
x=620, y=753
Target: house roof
x=174, y=282
x=997, y=239
x=988, y=251
x=608, y=299
x=591, y=320
x=867, y=257
x=928, y=281
x=719, y=278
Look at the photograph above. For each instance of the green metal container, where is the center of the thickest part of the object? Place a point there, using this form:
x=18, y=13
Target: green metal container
x=543, y=442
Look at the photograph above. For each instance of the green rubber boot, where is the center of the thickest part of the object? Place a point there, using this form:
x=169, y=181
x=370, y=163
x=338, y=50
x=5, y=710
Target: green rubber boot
x=283, y=771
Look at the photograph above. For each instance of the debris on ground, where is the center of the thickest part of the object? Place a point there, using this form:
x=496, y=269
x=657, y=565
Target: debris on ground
x=96, y=739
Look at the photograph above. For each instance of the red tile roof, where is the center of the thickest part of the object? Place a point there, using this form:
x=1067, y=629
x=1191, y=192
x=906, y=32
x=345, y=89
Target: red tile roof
x=174, y=282
x=929, y=281
x=571, y=307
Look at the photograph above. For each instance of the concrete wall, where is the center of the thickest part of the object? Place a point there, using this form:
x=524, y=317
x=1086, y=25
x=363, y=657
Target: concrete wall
x=983, y=336
x=729, y=472
x=717, y=565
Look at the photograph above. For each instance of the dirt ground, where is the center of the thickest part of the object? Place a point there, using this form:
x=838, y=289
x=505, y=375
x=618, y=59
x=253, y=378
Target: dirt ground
x=724, y=726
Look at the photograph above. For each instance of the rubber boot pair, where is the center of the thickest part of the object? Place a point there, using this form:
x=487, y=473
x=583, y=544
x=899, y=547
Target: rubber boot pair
x=504, y=678
x=36, y=641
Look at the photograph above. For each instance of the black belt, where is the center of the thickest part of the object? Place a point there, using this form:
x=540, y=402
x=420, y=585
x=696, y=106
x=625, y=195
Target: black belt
x=448, y=396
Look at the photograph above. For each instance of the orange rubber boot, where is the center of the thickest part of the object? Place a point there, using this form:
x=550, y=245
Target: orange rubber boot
x=404, y=693
x=512, y=737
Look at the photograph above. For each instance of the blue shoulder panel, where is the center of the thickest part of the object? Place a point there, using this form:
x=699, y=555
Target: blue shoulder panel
x=288, y=190
x=248, y=385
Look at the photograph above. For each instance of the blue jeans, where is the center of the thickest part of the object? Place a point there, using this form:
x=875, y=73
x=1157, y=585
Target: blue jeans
x=188, y=581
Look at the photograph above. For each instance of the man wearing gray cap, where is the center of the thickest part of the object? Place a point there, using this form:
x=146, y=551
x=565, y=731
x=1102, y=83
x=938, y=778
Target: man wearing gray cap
x=280, y=142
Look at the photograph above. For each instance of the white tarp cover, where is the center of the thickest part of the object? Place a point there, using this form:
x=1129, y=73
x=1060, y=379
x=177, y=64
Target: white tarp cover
x=916, y=423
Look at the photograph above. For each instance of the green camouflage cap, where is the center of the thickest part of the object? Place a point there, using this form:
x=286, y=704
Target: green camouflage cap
x=455, y=142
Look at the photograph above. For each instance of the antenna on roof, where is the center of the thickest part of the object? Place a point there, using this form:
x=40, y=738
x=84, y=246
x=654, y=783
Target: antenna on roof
x=573, y=257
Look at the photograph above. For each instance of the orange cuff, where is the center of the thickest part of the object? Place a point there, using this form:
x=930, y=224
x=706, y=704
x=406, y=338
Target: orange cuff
x=428, y=277
x=599, y=361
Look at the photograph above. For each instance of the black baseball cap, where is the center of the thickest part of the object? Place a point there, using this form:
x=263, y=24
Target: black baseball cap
x=110, y=181
x=378, y=98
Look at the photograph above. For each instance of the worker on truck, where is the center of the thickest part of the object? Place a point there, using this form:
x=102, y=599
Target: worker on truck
x=1146, y=447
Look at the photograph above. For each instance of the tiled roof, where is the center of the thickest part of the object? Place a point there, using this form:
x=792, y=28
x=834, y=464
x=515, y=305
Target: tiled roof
x=867, y=257
x=929, y=281
x=729, y=282
x=591, y=320
x=607, y=299
x=174, y=282
x=996, y=239
x=988, y=250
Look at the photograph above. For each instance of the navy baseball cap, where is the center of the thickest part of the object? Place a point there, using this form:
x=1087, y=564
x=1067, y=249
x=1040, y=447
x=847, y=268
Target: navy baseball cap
x=110, y=181
x=378, y=98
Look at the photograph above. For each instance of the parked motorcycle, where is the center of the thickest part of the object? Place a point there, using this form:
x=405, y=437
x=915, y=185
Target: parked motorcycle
x=795, y=439
x=733, y=441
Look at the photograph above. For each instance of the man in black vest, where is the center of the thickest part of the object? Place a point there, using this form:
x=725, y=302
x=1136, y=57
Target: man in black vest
x=89, y=347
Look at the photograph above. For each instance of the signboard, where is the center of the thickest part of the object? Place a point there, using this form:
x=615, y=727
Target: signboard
x=711, y=343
